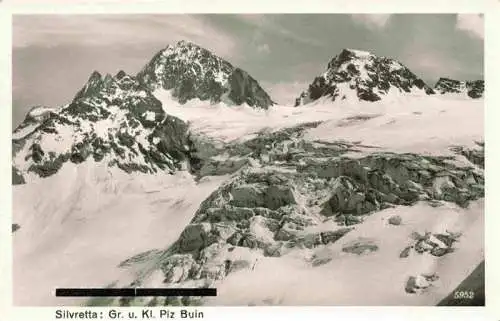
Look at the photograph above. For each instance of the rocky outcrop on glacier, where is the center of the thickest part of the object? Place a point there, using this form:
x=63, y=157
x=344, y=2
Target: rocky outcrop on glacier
x=278, y=202
x=437, y=244
x=420, y=283
x=17, y=178
x=15, y=227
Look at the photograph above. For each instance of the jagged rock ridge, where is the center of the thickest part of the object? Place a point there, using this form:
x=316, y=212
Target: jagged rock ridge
x=117, y=118
x=190, y=71
x=113, y=119
x=360, y=75
x=474, y=89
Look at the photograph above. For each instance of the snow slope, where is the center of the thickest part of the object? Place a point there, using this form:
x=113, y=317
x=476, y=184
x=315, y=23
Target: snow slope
x=93, y=217
x=422, y=124
x=376, y=278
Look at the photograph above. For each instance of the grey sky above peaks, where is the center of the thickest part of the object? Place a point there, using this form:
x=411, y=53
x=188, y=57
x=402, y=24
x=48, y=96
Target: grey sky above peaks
x=53, y=56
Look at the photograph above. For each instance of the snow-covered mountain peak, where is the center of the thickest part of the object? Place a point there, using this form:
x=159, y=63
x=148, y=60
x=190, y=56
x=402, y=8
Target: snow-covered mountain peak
x=192, y=72
x=112, y=119
x=360, y=75
x=118, y=120
x=39, y=112
x=349, y=54
x=187, y=51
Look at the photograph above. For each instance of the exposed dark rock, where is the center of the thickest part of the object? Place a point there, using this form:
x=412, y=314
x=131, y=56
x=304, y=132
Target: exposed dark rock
x=441, y=251
x=475, y=156
x=245, y=89
x=15, y=227
x=419, y=283
x=348, y=219
x=360, y=246
x=321, y=261
x=474, y=89
x=17, y=178
x=395, y=220
x=333, y=236
x=348, y=198
x=446, y=85
x=362, y=75
x=194, y=72
x=194, y=237
x=434, y=244
x=406, y=252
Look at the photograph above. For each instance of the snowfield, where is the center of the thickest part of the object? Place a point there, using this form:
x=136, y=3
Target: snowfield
x=370, y=279
x=78, y=225
x=92, y=218
x=420, y=124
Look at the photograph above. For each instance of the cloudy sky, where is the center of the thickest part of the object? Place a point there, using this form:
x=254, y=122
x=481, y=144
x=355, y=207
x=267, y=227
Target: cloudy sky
x=53, y=56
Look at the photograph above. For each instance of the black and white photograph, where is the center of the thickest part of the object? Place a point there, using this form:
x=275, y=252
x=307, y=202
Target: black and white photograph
x=248, y=159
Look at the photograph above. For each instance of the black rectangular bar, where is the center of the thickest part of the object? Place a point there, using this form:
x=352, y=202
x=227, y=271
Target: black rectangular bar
x=176, y=292
x=131, y=292
x=94, y=292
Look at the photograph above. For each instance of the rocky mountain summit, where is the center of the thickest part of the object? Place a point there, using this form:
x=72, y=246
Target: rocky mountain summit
x=118, y=119
x=194, y=72
x=113, y=119
x=360, y=75
x=474, y=89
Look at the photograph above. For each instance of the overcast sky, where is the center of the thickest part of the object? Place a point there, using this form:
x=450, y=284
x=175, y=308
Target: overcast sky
x=53, y=56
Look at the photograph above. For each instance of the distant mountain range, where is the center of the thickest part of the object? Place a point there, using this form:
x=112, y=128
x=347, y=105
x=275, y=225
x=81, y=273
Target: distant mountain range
x=360, y=75
x=119, y=119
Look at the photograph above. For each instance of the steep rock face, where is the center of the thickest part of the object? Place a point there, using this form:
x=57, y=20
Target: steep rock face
x=111, y=119
x=245, y=89
x=190, y=72
x=474, y=89
x=360, y=75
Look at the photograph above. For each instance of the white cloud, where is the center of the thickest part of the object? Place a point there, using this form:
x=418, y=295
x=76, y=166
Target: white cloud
x=378, y=21
x=263, y=48
x=270, y=24
x=472, y=24
x=255, y=19
x=430, y=64
x=52, y=30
